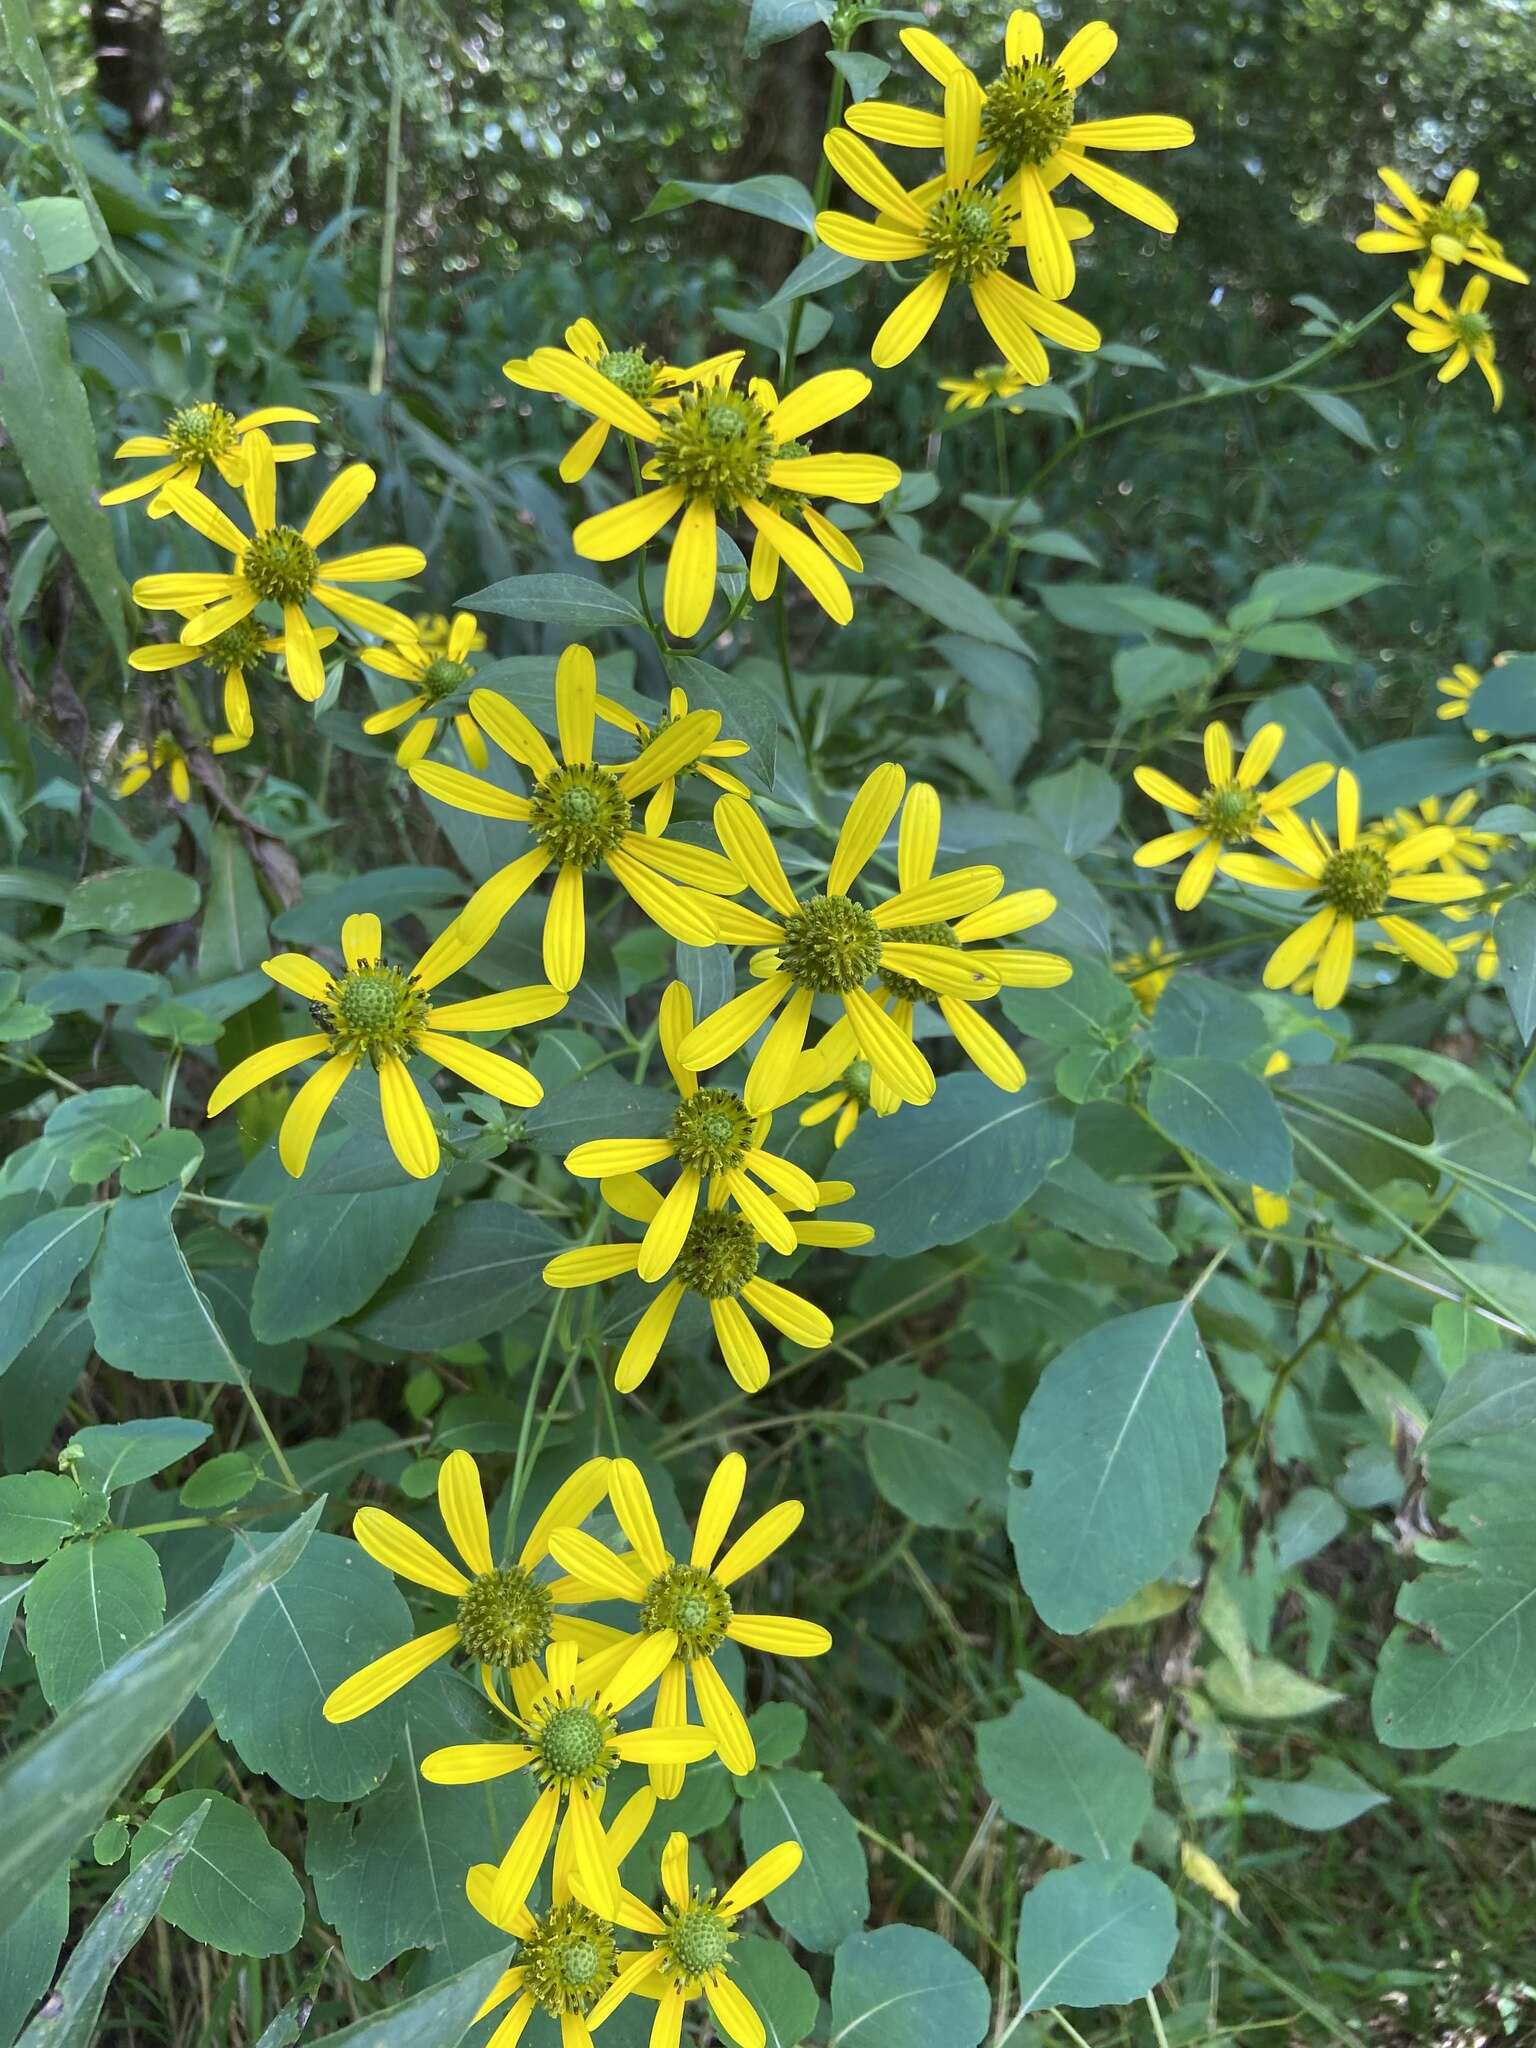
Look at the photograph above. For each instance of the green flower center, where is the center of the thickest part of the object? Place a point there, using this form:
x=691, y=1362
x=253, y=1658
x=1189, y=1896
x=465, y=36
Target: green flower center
x=200, y=432
x=628, y=368
x=1229, y=813
x=1472, y=330
x=441, y=677
x=712, y=1130
x=697, y=1941
x=567, y=1960
x=1356, y=883
x=236, y=647
x=693, y=1604
x=719, y=1254
x=856, y=1079
x=1027, y=114
x=915, y=935
x=967, y=232
x=570, y=1743
x=1461, y=223
x=373, y=1009
x=504, y=1618
x=580, y=813
x=717, y=445
x=830, y=945
x=280, y=565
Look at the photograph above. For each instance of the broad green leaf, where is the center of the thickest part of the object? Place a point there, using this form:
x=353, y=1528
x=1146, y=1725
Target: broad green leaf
x=29, y=1951
x=1224, y=1115
x=1506, y=698
x=1267, y=1691
x=772, y=21
x=1331, y=1795
x=1462, y=1668
x=600, y=1105
x=932, y=1452
x=903, y=1987
x=771, y=197
x=122, y=1453
x=1055, y=1770
x=1198, y=1017
x=785, y=1998
x=814, y=273
x=37, y=1268
x=130, y=900
x=1095, y=1007
x=1407, y=771
x=69, y=2018
x=971, y=1158
x=1297, y=640
x=1495, y=1391
x=437, y=2018
x=933, y=588
x=769, y=331
x=1147, y=676
x=232, y=1890
x=1114, y=1488
x=88, y=1607
x=1308, y=1523
x=1503, y=1769
x=1316, y=1099
x=579, y=603
x=234, y=931
x=1126, y=608
x=221, y=1481
x=65, y=235
x=336, y=1611
x=390, y=893
x=1517, y=961
x=827, y=1899
x=473, y=1269
x=1075, y=1199
x=1078, y=808
x=1097, y=1934
x=1300, y=589
x=149, y=1316
x=43, y=409
x=1343, y=417
x=38, y=1511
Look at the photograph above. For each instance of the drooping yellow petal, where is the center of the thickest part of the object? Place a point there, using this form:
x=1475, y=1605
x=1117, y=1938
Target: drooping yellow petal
x=759, y=1540
x=801, y=1321
x=341, y=497
x=690, y=584
x=647, y=1337
x=888, y=1051
x=407, y=1124
x=383, y=1678
x=302, y=1121
x=619, y=531
x=267, y=1064
x=740, y=1347
x=907, y=324
x=395, y=1545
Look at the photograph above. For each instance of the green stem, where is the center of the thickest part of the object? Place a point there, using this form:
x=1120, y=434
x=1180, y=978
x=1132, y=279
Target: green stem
x=656, y=633
x=921, y=1870
x=841, y=38
x=391, y=208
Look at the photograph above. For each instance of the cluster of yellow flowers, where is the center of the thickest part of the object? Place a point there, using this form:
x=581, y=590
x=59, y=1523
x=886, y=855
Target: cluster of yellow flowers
x=562, y=1682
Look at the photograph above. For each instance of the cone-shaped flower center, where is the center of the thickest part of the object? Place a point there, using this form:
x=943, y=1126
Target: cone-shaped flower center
x=915, y=935
x=570, y=1741
x=374, y=1009
x=236, y=647
x=580, y=813
x=1472, y=330
x=719, y=1254
x=712, y=1130
x=967, y=232
x=504, y=1618
x=697, y=1941
x=1027, y=114
x=200, y=432
x=628, y=368
x=280, y=565
x=830, y=945
x=1356, y=883
x=717, y=445
x=567, y=1960
x=441, y=677
x=856, y=1079
x=693, y=1604
x=1464, y=224
x=1229, y=813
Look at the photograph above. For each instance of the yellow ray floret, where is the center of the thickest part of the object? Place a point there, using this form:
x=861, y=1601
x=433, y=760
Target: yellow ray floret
x=163, y=756
x=437, y=675
x=1459, y=335
x=658, y=809
x=197, y=434
x=229, y=655
x=1438, y=232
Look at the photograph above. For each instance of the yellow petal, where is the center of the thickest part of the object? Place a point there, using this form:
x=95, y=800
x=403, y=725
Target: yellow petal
x=265, y=1065
x=791, y=1314
x=759, y=1541
x=761, y=1877
x=461, y=1503
x=740, y=1346
x=407, y=1125
x=780, y=1634
x=907, y=324
x=395, y=1545
x=669, y=1227
x=380, y=1680
x=647, y=1337
x=305, y=1112
x=690, y=584
x=888, y=1051
x=338, y=501
x=623, y=528
x=729, y=1028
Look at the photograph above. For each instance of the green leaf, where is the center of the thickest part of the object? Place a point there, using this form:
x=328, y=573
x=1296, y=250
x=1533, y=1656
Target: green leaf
x=1308, y=1523
x=814, y=273
x=971, y=1158
x=38, y=1265
x=1094, y=1006
x=1097, y=1934
x=1225, y=1116
x=1506, y=700
x=69, y=2017
x=1297, y=640
x=932, y=1452
x=1517, y=962
x=785, y=1998
x=130, y=900
x=56, y=1789
x=1406, y=771
x=1115, y=1487
x=1314, y=1098
x=1118, y=609
x=38, y=1512
x=937, y=590
x=166, y=1157
x=1494, y=1392
x=1075, y=1199
x=337, y=1611
x=65, y=235
x=1197, y=1016
x=1147, y=676
x=827, y=1899
x=1503, y=1769
x=43, y=409
x=1344, y=418
x=771, y=197
x=1078, y=808
x=473, y=1269
x=577, y=602
x=903, y=1987
x=221, y=1481
x=772, y=21
x=1462, y=1668
x=1331, y=1795
x=89, y=1606
x=232, y=1890
x=438, y=2018
x=29, y=1951
x=234, y=933
x=1053, y=1769
x=1267, y=1691
x=122, y=1453
x=148, y=1314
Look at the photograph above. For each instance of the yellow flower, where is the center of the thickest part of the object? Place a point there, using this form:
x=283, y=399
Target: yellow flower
x=142, y=762
x=720, y=451
x=763, y=569
x=505, y=1618
x=1463, y=335
x=565, y=373
x=689, y=1606
x=992, y=380
x=1272, y=1211
x=1459, y=688
x=571, y=1743
x=716, y=1142
x=230, y=654
x=435, y=629
x=1484, y=945
x=692, y=1938
x=567, y=1957
x=658, y=812
x=1449, y=230
x=718, y=1263
x=382, y=1014
x=198, y=434
x=278, y=565
x=579, y=815
x=848, y=1100
x=1469, y=849
x=1147, y=977
x=1228, y=811
x=965, y=230
x=434, y=673
x=830, y=945
x=1355, y=880
x=1031, y=136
